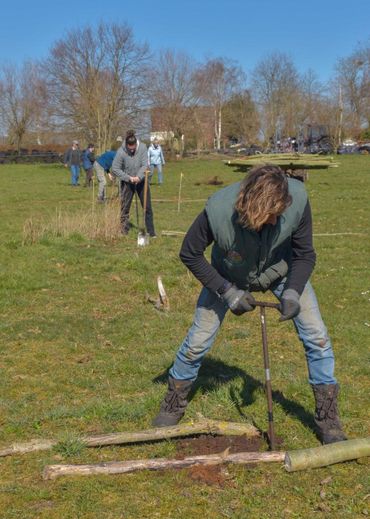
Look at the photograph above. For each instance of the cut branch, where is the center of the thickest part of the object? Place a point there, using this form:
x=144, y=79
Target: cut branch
x=161, y=433
x=122, y=467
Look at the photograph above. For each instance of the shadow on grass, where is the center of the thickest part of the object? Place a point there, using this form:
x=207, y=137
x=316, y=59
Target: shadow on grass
x=214, y=373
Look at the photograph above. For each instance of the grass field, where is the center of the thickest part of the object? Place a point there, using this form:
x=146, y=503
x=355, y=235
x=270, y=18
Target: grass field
x=82, y=352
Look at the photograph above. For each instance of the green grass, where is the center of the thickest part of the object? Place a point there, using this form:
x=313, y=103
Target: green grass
x=82, y=352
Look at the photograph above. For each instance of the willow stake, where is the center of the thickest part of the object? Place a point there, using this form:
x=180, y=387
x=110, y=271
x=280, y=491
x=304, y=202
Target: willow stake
x=186, y=429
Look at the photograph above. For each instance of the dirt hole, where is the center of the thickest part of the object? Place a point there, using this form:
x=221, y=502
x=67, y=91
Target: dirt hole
x=208, y=444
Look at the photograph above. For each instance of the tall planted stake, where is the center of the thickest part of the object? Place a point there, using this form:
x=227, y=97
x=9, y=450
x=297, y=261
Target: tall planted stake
x=93, y=194
x=179, y=197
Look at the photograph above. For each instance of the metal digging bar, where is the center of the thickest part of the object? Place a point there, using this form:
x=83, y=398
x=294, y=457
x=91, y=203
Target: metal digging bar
x=271, y=433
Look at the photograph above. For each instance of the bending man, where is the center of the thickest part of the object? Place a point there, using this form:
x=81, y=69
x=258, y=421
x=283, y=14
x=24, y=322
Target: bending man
x=261, y=230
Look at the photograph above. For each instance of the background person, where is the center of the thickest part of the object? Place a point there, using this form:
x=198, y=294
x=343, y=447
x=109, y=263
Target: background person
x=72, y=160
x=156, y=160
x=88, y=159
x=102, y=165
x=261, y=229
x=129, y=165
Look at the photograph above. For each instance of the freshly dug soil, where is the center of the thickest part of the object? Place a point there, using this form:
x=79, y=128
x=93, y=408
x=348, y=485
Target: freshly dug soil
x=208, y=444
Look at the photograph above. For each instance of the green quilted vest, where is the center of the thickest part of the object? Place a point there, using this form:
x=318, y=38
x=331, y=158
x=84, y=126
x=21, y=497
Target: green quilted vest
x=252, y=260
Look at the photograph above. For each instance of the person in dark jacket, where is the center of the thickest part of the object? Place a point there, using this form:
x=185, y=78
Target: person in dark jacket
x=130, y=165
x=103, y=165
x=88, y=159
x=72, y=160
x=261, y=230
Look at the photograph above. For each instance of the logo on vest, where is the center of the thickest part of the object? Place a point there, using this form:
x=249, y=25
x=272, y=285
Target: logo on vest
x=234, y=257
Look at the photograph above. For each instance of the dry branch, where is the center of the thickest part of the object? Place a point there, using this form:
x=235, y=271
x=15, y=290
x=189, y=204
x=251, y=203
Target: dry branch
x=187, y=429
x=162, y=294
x=121, y=467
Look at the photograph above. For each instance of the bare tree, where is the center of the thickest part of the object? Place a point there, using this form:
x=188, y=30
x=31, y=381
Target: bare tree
x=240, y=118
x=97, y=81
x=311, y=93
x=353, y=83
x=22, y=98
x=275, y=84
x=173, y=94
x=218, y=79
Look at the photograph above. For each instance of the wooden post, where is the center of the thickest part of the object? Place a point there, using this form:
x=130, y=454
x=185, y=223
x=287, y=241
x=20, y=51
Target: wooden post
x=123, y=467
x=179, y=198
x=326, y=454
x=185, y=429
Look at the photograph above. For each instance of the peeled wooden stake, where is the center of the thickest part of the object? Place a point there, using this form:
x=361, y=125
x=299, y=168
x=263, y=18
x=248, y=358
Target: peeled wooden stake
x=122, y=467
x=326, y=454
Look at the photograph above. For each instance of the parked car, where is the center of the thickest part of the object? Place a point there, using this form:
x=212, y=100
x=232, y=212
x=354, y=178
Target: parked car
x=347, y=146
x=363, y=148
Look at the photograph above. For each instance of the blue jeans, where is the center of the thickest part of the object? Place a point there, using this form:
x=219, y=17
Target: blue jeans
x=160, y=174
x=75, y=174
x=210, y=313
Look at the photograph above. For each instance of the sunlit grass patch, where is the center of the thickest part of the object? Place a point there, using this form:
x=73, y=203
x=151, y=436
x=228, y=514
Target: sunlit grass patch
x=83, y=352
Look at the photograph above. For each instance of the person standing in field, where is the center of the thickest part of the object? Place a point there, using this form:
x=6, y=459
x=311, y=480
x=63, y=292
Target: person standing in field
x=156, y=160
x=103, y=165
x=88, y=159
x=72, y=160
x=129, y=166
x=261, y=230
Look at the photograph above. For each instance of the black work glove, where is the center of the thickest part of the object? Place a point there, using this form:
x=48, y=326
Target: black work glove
x=289, y=305
x=239, y=301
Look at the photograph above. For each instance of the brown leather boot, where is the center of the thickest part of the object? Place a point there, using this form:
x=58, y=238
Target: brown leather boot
x=174, y=403
x=329, y=428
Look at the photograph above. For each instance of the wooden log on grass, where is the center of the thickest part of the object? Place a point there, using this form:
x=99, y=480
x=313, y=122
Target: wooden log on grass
x=293, y=460
x=327, y=454
x=124, y=467
x=176, y=431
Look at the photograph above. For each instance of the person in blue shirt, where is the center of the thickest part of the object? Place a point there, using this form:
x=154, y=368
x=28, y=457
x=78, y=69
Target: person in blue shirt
x=102, y=165
x=156, y=160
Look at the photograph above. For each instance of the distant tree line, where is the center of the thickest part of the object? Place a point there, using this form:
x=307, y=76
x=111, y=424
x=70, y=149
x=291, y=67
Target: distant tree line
x=98, y=81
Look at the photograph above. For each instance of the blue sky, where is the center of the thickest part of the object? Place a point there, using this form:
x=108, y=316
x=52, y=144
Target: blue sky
x=314, y=33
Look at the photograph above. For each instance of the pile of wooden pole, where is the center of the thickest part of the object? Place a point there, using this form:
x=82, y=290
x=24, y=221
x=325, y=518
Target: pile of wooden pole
x=293, y=460
x=302, y=459
x=285, y=161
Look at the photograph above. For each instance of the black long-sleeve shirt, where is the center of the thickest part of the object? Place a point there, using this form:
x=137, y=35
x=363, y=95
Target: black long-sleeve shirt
x=200, y=236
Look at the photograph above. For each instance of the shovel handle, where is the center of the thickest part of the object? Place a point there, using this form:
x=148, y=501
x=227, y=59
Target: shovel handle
x=145, y=192
x=264, y=304
x=266, y=363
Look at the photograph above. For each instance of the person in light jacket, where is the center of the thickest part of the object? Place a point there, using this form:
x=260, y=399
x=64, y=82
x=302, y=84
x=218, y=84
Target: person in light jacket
x=156, y=160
